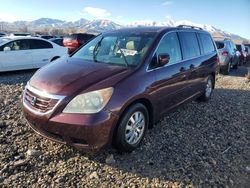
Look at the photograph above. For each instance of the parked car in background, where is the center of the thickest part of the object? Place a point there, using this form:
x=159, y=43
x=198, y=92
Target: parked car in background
x=2, y=34
x=58, y=41
x=18, y=53
x=242, y=51
x=248, y=53
x=74, y=41
x=119, y=84
x=227, y=55
x=19, y=35
x=247, y=45
x=47, y=36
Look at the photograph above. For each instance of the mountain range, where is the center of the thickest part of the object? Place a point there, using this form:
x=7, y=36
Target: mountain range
x=83, y=25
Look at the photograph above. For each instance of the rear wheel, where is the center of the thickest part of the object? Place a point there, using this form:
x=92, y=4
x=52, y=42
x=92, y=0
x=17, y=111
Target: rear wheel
x=208, y=90
x=132, y=128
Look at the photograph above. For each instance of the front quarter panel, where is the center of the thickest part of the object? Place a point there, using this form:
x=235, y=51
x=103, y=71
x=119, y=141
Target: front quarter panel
x=136, y=87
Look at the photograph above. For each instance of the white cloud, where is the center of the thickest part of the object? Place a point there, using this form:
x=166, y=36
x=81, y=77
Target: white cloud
x=167, y=3
x=97, y=12
x=7, y=17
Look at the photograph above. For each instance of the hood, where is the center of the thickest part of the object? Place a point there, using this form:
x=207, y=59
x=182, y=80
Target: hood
x=69, y=75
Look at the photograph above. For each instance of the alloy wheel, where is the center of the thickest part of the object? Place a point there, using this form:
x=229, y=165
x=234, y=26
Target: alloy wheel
x=135, y=128
x=209, y=88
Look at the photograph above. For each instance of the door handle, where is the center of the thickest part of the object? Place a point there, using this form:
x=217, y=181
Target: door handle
x=192, y=66
x=182, y=69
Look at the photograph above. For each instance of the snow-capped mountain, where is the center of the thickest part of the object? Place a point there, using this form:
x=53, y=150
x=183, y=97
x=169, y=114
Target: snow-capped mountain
x=101, y=25
x=105, y=25
x=216, y=32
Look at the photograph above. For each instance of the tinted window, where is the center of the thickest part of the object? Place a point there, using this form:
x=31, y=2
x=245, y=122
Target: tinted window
x=170, y=44
x=219, y=44
x=40, y=44
x=238, y=47
x=189, y=45
x=206, y=43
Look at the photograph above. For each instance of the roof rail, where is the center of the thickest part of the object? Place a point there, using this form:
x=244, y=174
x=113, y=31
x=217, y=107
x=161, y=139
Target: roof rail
x=190, y=26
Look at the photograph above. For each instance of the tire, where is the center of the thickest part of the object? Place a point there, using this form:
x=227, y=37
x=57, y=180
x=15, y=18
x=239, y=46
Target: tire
x=129, y=135
x=208, y=90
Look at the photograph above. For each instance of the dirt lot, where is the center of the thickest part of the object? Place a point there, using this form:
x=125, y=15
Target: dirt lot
x=199, y=145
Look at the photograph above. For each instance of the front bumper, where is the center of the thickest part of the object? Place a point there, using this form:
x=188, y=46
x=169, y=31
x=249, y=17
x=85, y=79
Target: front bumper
x=87, y=132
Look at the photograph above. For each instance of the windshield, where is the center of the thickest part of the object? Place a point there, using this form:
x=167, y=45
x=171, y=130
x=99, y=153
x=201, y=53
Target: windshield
x=2, y=40
x=117, y=48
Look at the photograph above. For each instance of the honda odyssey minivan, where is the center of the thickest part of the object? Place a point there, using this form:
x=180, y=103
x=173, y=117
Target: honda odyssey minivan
x=119, y=84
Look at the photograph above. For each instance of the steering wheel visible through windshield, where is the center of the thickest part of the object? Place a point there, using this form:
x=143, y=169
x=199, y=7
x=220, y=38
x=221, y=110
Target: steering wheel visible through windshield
x=124, y=49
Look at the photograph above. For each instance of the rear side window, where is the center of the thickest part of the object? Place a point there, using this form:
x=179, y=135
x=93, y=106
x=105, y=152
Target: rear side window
x=170, y=44
x=238, y=47
x=207, y=44
x=219, y=44
x=189, y=45
x=39, y=44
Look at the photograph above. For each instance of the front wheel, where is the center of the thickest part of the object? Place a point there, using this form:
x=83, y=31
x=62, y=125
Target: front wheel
x=208, y=90
x=132, y=128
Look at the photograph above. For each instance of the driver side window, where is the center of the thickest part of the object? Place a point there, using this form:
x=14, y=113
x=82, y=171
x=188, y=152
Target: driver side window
x=169, y=44
x=17, y=45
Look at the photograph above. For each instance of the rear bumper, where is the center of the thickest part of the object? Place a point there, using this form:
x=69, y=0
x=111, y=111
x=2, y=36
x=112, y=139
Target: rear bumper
x=87, y=132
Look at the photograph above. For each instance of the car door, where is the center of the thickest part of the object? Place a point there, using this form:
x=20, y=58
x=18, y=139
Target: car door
x=41, y=52
x=171, y=84
x=17, y=57
x=206, y=56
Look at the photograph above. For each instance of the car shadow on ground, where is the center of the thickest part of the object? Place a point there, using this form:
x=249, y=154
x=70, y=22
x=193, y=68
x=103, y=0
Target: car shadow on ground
x=203, y=143
x=240, y=72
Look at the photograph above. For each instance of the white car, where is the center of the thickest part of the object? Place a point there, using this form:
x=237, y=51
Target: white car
x=17, y=53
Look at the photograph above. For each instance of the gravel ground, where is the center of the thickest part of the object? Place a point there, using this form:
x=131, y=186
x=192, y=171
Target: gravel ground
x=199, y=145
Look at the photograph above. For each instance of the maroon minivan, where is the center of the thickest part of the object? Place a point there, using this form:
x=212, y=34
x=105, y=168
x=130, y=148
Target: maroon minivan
x=119, y=84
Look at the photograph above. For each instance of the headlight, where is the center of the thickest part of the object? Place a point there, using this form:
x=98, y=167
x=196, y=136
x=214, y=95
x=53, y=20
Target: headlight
x=89, y=103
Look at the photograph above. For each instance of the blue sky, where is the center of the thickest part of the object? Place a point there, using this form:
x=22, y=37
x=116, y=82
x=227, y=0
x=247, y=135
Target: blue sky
x=229, y=15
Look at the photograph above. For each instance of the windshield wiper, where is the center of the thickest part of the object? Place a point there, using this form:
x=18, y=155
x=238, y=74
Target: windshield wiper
x=95, y=52
x=125, y=60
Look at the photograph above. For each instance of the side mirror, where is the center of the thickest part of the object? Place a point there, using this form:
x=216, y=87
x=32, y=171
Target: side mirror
x=163, y=59
x=6, y=49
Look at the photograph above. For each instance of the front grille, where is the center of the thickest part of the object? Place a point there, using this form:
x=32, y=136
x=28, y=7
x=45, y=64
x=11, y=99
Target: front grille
x=39, y=103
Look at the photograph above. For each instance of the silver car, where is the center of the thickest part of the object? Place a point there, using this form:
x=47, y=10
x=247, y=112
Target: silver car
x=227, y=55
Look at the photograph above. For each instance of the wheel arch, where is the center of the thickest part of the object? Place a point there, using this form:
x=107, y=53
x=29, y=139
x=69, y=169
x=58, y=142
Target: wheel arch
x=147, y=103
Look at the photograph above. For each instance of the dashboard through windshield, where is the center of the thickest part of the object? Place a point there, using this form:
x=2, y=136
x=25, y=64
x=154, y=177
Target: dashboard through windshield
x=117, y=48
